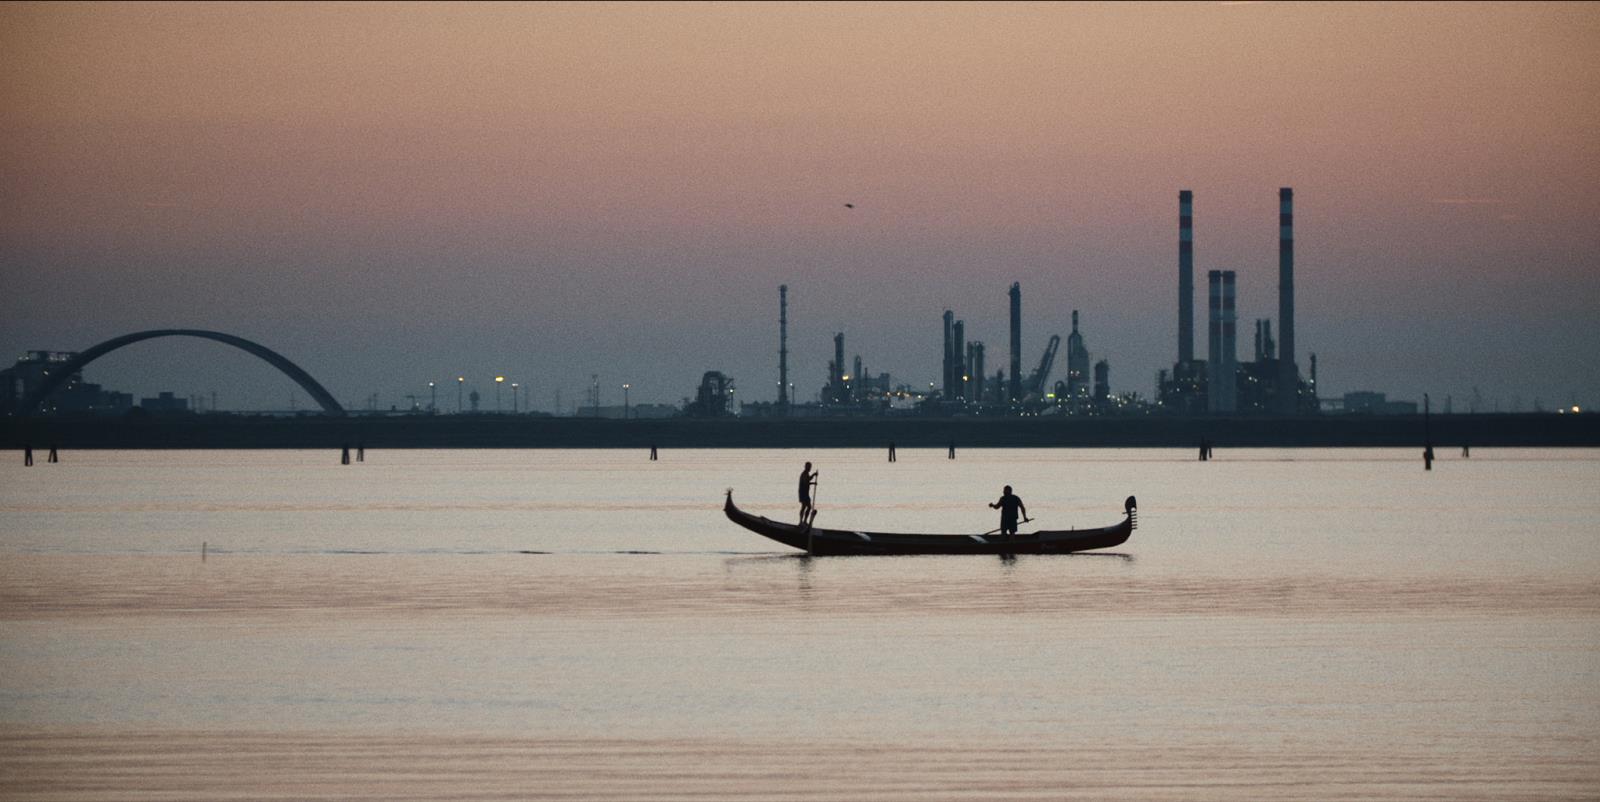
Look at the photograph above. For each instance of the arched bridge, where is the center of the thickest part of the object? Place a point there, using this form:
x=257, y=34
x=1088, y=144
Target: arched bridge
x=61, y=374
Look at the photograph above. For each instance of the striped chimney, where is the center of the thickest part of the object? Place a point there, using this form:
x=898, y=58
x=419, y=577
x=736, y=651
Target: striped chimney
x=1288, y=374
x=1185, y=276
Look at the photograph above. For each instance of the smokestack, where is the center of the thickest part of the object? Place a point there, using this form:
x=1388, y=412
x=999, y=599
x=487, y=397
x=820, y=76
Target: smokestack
x=949, y=353
x=1288, y=373
x=838, y=366
x=1222, y=358
x=1185, y=276
x=1016, y=342
x=975, y=369
x=1265, y=347
x=783, y=345
x=1077, y=363
x=958, y=359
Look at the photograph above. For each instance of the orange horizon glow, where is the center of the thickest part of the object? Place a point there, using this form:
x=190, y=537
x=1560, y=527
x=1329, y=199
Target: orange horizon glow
x=490, y=162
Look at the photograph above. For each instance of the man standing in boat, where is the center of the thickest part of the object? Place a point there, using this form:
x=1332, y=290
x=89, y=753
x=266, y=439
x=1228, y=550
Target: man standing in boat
x=808, y=478
x=1009, y=505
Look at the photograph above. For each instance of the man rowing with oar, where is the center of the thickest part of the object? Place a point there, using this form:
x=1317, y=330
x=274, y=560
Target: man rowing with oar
x=1009, y=505
x=808, y=479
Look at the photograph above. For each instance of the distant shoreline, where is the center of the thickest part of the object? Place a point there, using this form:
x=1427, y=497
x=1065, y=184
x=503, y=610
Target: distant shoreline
x=506, y=431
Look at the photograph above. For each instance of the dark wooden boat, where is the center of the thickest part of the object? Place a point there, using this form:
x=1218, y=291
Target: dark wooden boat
x=832, y=542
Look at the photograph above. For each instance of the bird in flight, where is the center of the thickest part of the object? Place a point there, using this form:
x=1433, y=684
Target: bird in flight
x=849, y=206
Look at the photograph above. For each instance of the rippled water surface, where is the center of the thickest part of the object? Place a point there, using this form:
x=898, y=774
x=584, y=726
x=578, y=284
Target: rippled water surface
x=1306, y=624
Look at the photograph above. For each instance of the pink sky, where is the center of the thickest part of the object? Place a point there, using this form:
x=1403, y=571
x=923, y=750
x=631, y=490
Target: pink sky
x=395, y=194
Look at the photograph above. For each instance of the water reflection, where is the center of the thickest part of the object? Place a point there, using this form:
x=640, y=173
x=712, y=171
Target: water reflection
x=1330, y=627
x=1110, y=555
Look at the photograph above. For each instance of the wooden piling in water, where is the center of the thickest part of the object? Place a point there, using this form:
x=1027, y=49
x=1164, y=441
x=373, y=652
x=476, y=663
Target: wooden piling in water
x=1427, y=436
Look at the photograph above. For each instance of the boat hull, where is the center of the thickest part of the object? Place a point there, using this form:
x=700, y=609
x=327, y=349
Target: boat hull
x=842, y=542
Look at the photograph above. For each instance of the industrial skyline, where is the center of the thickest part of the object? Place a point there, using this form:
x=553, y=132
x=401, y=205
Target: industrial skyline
x=1217, y=385
x=551, y=193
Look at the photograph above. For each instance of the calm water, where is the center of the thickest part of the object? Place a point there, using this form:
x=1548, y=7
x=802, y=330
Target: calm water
x=1283, y=625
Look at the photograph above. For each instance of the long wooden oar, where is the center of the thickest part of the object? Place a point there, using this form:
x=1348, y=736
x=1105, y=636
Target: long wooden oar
x=1019, y=523
x=810, y=517
x=816, y=488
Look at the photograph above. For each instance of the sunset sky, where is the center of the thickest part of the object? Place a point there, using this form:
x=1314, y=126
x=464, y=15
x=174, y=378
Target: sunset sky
x=393, y=194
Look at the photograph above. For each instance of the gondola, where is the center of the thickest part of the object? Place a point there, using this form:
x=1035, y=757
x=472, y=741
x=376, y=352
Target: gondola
x=836, y=542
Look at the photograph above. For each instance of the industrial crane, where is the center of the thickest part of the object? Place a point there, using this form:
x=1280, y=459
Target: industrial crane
x=1034, y=387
